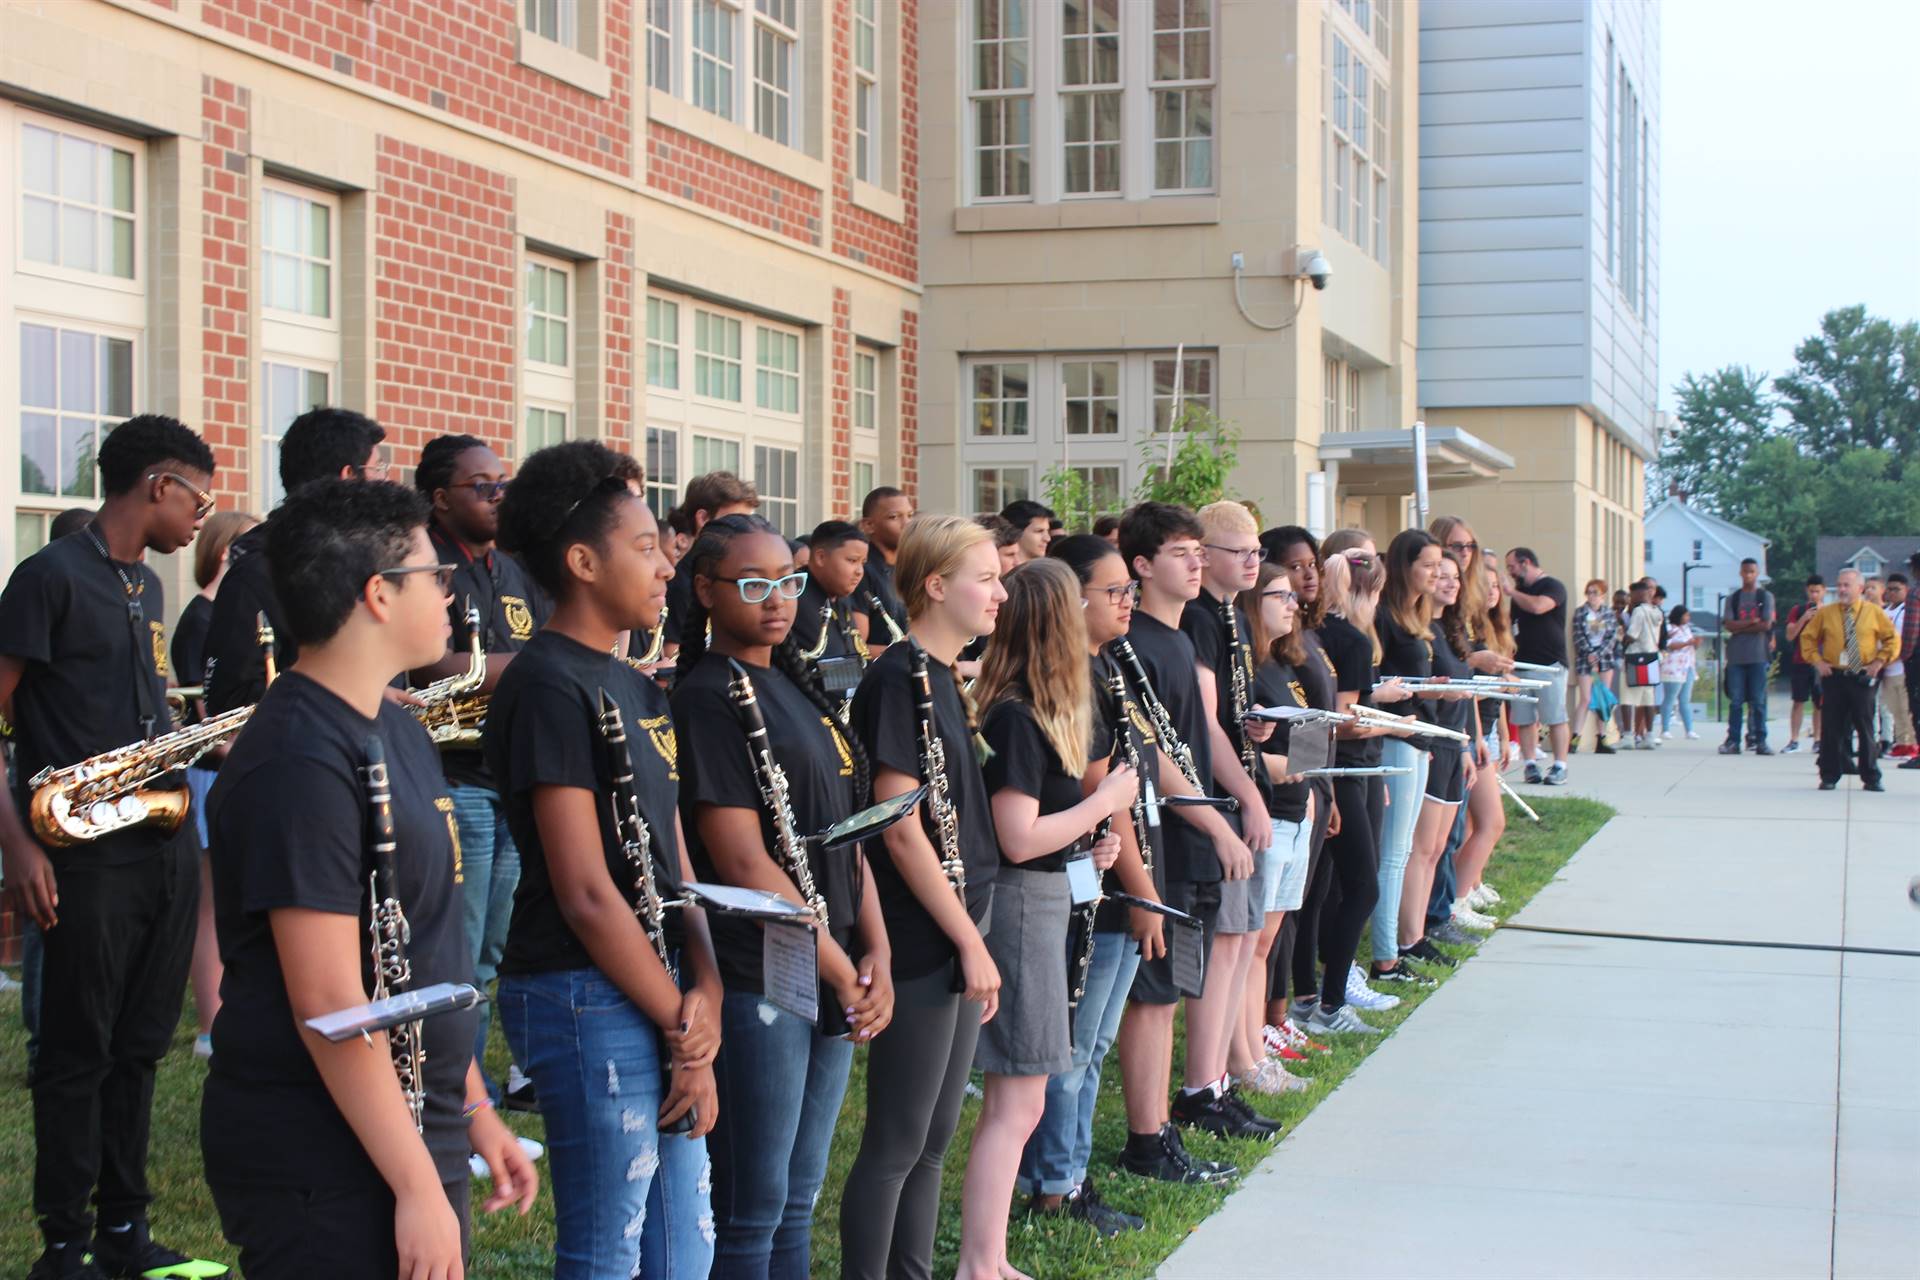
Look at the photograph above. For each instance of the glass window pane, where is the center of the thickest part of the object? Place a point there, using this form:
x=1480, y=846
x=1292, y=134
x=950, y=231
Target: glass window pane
x=319, y=289
x=76, y=457
x=1199, y=53
x=37, y=367
x=283, y=219
x=537, y=340
x=557, y=293
x=37, y=152
x=319, y=234
x=39, y=452
x=76, y=238
x=557, y=341
x=116, y=377
x=77, y=375
x=120, y=165
x=283, y=282
x=120, y=232
x=316, y=393
x=40, y=238
x=79, y=176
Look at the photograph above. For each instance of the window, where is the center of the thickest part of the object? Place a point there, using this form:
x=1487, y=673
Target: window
x=1354, y=147
x=1092, y=397
x=776, y=374
x=1193, y=386
x=1607, y=177
x=776, y=474
x=995, y=487
x=555, y=20
x=1699, y=549
x=77, y=202
x=1646, y=548
x=863, y=480
x=660, y=45
x=1002, y=98
x=711, y=454
x=1699, y=598
x=716, y=356
x=289, y=391
x=1182, y=89
x=740, y=60
x=75, y=386
x=866, y=391
x=1000, y=403
x=713, y=57
x=1330, y=423
x=774, y=38
x=1103, y=488
x=866, y=90
x=663, y=344
x=1353, y=399
x=1090, y=95
x=663, y=470
x=548, y=284
x=296, y=252
x=544, y=427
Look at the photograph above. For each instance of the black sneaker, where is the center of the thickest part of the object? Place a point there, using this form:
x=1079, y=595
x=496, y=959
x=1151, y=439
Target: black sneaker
x=70, y=1261
x=1425, y=951
x=1206, y=1112
x=1400, y=973
x=520, y=1099
x=133, y=1253
x=1164, y=1159
x=1762, y=749
x=1232, y=1102
x=1600, y=748
x=1214, y=1170
x=1828, y=786
x=1085, y=1204
x=1729, y=748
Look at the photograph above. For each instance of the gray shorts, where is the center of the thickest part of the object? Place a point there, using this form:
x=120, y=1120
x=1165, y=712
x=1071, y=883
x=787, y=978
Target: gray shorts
x=1243, y=903
x=1552, y=706
x=1029, y=1035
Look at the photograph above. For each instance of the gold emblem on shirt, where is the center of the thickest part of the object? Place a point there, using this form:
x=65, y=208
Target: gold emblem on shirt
x=1140, y=723
x=158, y=634
x=445, y=805
x=659, y=731
x=1299, y=694
x=519, y=617
x=840, y=745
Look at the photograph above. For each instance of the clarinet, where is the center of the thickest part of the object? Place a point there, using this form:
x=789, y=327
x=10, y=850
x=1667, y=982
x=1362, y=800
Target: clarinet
x=1241, y=693
x=630, y=828
x=1146, y=801
x=933, y=767
x=390, y=933
x=1162, y=723
x=792, y=851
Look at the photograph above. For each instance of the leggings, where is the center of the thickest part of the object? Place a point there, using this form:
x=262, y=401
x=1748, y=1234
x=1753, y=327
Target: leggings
x=1298, y=944
x=916, y=1081
x=1354, y=854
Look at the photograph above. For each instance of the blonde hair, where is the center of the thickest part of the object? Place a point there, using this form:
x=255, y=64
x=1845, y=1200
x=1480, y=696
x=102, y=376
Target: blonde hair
x=1495, y=619
x=1037, y=655
x=1350, y=594
x=1227, y=517
x=1473, y=584
x=935, y=547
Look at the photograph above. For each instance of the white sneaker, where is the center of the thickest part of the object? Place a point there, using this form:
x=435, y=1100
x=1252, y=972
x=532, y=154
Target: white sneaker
x=1489, y=896
x=1467, y=918
x=1271, y=1077
x=1479, y=899
x=1692, y=735
x=1341, y=1021
x=203, y=1048
x=1364, y=996
x=477, y=1164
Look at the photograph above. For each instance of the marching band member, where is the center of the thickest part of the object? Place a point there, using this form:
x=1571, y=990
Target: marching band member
x=1035, y=687
x=836, y=565
x=594, y=1012
x=884, y=514
x=348, y=1158
x=708, y=497
x=935, y=881
x=781, y=1079
x=83, y=670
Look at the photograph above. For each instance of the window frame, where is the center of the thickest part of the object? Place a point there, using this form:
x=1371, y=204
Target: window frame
x=1186, y=86
x=868, y=152
x=267, y=455
x=1357, y=134
x=660, y=444
x=32, y=501
x=21, y=119
x=725, y=360
x=533, y=261
x=783, y=495
x=666, y=348
x=328, y=200
x=768, y=31
x=531, y=405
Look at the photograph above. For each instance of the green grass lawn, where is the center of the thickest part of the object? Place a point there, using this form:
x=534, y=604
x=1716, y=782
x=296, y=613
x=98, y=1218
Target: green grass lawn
x=513, y=1248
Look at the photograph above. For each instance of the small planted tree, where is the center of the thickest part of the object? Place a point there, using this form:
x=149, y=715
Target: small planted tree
x=1068, y=495
x=1206, y=451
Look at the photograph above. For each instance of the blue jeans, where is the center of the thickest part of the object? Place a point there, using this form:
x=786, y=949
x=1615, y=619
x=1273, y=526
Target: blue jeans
x=781, y=1083
x=1747, y=684
x=627, y=1200
x=199, y=783
x=1678, y=693
x=1440, y=901
x=1405, y=794
x=1056, y=1158
x=490, y=870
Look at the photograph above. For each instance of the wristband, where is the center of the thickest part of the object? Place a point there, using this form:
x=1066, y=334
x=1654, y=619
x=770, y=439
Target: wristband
x=473, y=1109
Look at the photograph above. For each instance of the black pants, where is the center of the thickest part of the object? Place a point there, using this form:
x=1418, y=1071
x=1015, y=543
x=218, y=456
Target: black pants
x=1298, y=943
x=113, y=978
x=307, y=1233
x=1846, y=709
x=916, y=1081
x=1355, y=858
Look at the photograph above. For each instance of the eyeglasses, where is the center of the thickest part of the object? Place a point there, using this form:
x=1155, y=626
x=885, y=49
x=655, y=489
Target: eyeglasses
x=756, y=590
x=1287, y=597
x=485, y=490
x=1246, y=556
x=1463, y=548
x=202, y=500
x=442, y=574
x=1129, y=591
x=379, y=467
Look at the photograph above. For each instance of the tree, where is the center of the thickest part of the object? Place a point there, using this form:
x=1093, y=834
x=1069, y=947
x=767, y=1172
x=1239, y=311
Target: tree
x=1792, y=497
x=1856, y=385
x=1202, y=463
x=1723, y=417
x=1067, y=496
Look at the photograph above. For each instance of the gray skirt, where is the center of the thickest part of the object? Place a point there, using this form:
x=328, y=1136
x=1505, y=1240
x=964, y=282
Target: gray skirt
x=1029, y=1035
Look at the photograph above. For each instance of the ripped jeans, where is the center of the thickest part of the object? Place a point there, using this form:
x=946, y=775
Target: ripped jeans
x=781, y=1084
x=628, y=1201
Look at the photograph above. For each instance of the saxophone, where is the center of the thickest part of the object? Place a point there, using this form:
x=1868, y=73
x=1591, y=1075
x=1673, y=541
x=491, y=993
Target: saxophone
x=1242, y=693
x=108, y=792
x=881, y=611
x=454, y=714
x=1163, y=729
x=933, y=767
x=655, y=646
x=791, y=853
x=390, y=933
x=819, y=647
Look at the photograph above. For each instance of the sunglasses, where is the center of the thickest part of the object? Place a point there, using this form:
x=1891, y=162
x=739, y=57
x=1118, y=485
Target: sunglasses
x=1463, y=548
x=202, y=500
x=757, y=590
x=442, y=574
x=485, y=490
x=1245, y=556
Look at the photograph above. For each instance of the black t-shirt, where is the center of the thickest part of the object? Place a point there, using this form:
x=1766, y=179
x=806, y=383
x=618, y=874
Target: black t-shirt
x=1351, y=652
x=1276, y=684
x=1167, y=657
x=190, y=641
x=1455, y=713
x=94, y=671
x=717, y=769
x=679, y=604
x=807, y=621
x=885, y=715
x=1542, y=637
x=543, y=729
x=1111, y=916
x=879, y=582
x=236, y=671
x=511, y=610
x=1407, y=654
x=1205, y=624
x=1316, y=676
x=1489, y=707
x=1024, y=761
x=288, y=827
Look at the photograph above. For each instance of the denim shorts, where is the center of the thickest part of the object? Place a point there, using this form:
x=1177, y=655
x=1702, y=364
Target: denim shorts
x=1287, y=874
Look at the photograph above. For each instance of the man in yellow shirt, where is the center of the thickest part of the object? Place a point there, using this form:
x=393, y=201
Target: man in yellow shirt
x=1848, y=643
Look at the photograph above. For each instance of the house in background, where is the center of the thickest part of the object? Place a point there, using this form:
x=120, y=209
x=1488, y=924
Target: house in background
x=1680, y=535
x=1874, y=555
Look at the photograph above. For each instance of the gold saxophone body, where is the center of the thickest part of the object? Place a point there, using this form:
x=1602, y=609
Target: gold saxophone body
x=455, y=714
x=109, y=792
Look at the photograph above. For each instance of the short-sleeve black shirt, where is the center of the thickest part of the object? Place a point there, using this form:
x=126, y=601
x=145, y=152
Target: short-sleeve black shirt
x=65, y=615
x=1542, y=637
x=717, y=769
x=885, y=717
x=807, y=621
x=1454, y=714
x=879, y=582
x=511, y=610
x=1276, y=684
x=1351, y=653
x=543, y=729
x=679, y=605
x=1204, y=623
x=236, y=672
x=1406, y=654
x=288, y=827
x=1024, y=761
x=190, y=641
x=1168, y=659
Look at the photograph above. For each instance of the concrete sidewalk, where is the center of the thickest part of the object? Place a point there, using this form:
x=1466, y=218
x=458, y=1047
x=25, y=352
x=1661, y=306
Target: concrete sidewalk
x=1573, y=1106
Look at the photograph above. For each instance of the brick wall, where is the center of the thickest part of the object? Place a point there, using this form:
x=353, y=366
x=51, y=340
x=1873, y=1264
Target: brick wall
x=444, y=294
x=860, y=234
x=910, y=404
x=617, y=312
x=685, y=166
x=226, y=275
x=840, y=498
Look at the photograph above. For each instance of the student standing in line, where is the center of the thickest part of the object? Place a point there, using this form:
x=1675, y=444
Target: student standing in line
x=1489, y=630
x=1034, y=685
x=836, y=566
x=936, y=894
x=884, y=514
x=620, y=1047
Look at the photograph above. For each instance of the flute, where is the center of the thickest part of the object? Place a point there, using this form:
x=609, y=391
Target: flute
x=1374, y=718
x=1468, y=687
x=1548, y=668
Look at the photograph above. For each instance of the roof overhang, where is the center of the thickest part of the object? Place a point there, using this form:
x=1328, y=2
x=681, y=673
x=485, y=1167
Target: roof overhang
x=1381, y=462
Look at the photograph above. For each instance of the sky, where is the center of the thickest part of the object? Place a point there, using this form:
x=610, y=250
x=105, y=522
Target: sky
x=1790, y=180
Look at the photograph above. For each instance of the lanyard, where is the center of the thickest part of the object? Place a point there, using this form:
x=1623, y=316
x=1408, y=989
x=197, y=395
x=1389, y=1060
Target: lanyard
x=135, y=589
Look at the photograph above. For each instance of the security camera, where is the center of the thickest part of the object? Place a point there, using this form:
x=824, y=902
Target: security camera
x=1314, y=267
